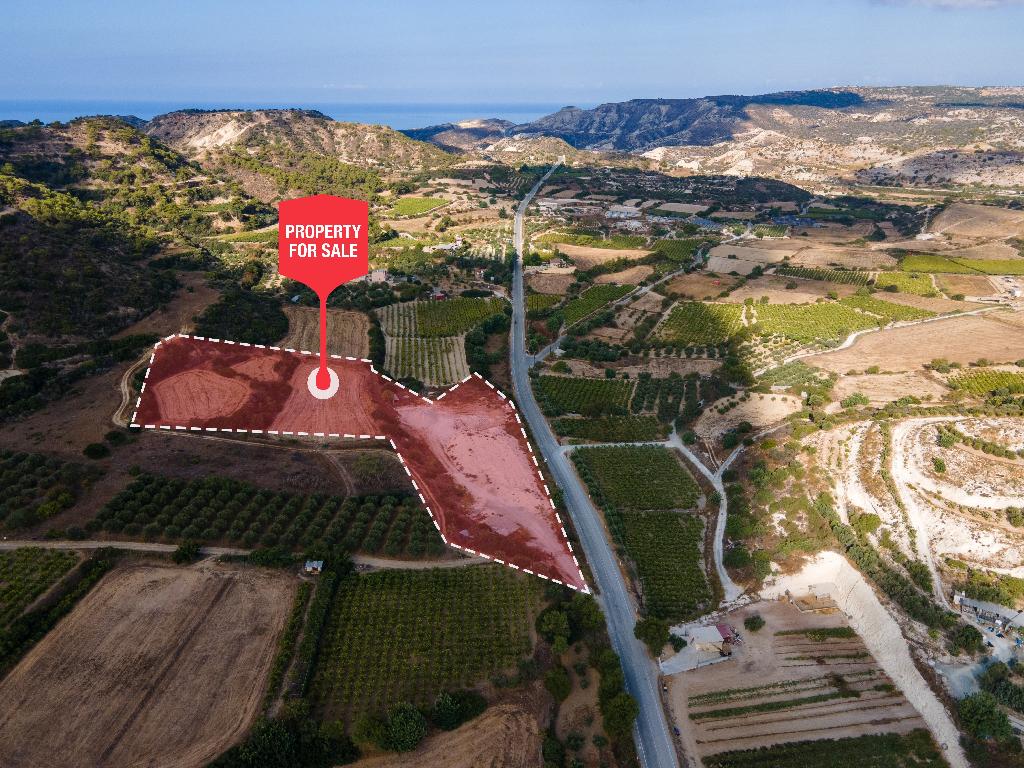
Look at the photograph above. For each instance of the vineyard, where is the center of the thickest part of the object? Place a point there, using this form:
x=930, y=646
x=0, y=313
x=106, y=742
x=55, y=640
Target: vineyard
x=637, y=477
x=842, y=276
x=612, y=429
x=930, y=262
x=588, y=397
x=454, y=316
x=405, y=636
x=538, y=302
x=691, y=322
x=434, y=361
x=809, y=323
x=416, y=206
x=888, y=750
x=37, y=487
x=25, y=574
x=886, y=309
x=665, y=549
x=907, y=282
x=215, y=510
x=591, y=300
x=988, y=381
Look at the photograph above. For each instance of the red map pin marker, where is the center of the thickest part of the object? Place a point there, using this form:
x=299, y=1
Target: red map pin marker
x=322, y=242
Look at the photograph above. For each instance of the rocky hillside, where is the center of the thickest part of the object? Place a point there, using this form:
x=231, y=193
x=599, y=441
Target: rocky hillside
x=462, y=136
x=960, y=136
x=204, y=134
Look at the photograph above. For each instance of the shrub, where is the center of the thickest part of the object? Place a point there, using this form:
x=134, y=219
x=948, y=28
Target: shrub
x=558, y=684
x=405, y=729
x=753, y=623
x=653, y=632
x=186, y=552
x=96, y=451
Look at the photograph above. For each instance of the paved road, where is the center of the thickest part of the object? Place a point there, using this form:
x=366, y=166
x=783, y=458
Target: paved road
x=653, y=741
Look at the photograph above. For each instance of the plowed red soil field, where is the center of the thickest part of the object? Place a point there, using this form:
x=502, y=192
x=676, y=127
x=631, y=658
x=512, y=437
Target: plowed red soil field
x=466, y=451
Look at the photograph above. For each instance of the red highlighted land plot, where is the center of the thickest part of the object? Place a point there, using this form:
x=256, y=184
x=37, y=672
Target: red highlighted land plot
x=465, y=452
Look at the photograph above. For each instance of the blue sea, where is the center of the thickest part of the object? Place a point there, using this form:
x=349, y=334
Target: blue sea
x=398, y=116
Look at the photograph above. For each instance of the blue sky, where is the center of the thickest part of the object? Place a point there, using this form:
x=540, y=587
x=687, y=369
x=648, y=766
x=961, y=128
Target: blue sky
x=554, y=51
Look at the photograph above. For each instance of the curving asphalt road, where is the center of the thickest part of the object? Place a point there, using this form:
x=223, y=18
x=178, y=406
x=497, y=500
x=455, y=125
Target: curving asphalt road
x=653, y=740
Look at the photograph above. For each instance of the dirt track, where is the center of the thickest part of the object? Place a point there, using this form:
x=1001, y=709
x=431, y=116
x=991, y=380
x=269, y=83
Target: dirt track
x=157, y=666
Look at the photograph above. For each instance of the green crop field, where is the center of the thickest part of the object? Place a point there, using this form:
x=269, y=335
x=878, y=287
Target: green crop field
x=613, y=429
x=416, y=206
x=589, y=397
x=795, y=374
x=987, y=381
x=811, y=322
x=886, y=750
x=221, y=510
x=907, y=282
x=691, y=322
x=541, y=301
x=930, y=262
x=591, y=300
x=454, y=316
x=25, y=574
x=768, y=230
x=887, y=310
x=678, y=251
x=844, y=276
x=37, y=487
x=615, y=242
x=637, y=477
x=260, y=236
x=665, y=548
x=397, y=636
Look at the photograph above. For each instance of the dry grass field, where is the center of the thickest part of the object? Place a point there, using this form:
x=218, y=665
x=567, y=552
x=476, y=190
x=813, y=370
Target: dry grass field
x=760, y=410
x=968, y=285
x=998, y=336
x=347, y=332
x=698, y=285
x=774, y=287
x=631, y=276
x=968, y=220
x=851, y=258
x=766, y=253
x=847, y=693
x=883, y=388
x=586, y=257
x=552, y=283
x=158, y=666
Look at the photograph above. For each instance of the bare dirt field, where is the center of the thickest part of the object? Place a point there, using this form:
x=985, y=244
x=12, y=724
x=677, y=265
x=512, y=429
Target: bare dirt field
x=504, y=736
x=883, y=388
x=774, y=287
x=726, y=265
x=760, y=410
x=766, y=253
x=835, y=233
x=998, y=336
x=157, y=666
x=630, y=276
x=698, y=285
x=347, y=332
x=586, y=257
x=772, y=667
x=971, y=220
x=968, y=285
x=993, y=250
x=553, y=283
x=851, y=258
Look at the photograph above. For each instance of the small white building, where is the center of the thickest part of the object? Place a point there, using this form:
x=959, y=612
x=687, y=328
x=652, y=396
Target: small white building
x=314, y=567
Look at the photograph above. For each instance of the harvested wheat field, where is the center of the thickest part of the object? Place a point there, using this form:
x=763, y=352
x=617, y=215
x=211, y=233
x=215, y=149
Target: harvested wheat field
x=998, y=336
x=882, y=388
x=851, y=258
x=157, y=666
x=631, y=276
x=347, y=332
x=551, y=283
x=803, y=676
x=969, y=220
x=586, y=257
x=968, y=285
x=505, y=736
x=774, y=287
x=700, y=286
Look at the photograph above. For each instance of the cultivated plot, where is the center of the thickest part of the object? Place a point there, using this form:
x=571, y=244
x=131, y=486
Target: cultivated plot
x=466, y=452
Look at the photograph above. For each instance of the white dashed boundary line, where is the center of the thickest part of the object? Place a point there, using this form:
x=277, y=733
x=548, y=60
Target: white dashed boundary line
x=515, y=412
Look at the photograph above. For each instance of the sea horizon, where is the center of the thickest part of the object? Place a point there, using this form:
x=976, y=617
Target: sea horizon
x=399, y=115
